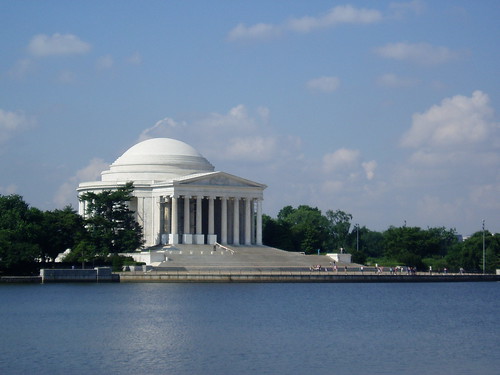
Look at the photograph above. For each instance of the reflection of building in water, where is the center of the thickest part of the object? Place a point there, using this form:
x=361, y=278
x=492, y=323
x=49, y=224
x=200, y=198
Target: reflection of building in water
x=178, y=198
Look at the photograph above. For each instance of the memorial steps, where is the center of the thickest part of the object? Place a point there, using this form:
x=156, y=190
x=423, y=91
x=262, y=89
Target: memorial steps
x=196, y=257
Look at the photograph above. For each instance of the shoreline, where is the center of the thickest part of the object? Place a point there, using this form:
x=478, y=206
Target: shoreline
x=251, y=276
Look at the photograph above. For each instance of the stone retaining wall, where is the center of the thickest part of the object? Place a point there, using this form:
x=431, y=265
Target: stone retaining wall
x=290, y=277
x=98, y=274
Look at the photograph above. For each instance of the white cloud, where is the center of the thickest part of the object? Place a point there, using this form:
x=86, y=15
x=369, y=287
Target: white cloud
x=42, y=45
x=13, y=122
x=259, y=31
x=451, y=177
x=252, y=148
x=105, y=62
x=162, y=128
x=66, y=192
x=340, y=159
x=233, y=136
x=420, y=53
x=394, y=81
x=456, y=122
x=342, y=14
x=369, y=168
x=324, y=84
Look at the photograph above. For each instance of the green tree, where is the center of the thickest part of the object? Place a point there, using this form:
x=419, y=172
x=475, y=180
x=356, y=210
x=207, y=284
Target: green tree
x=62, y=229
x=299, y=229
x=470, y=254
x=339, y=225
x=276, y=233
x=19, y=250
x=111, y=227
x=363, y=243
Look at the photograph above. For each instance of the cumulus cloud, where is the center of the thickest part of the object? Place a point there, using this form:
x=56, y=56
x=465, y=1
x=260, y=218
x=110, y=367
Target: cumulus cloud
x=12, y=123
x=237, y=135
x=255, y=32
x=457, y=121
x=91, y=172
x=346, y=165
x=323, y=84
x=369, y=167
x=42, y=45
x=451, y=174
x=342, y=158
x=342, y=14
x=420, y=53
x=252, y=148
x=162, y=128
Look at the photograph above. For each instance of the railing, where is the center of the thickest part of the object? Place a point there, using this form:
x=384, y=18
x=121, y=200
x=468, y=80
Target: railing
x=224, y=247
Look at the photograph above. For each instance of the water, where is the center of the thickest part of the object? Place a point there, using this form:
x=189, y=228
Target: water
x=241, y=329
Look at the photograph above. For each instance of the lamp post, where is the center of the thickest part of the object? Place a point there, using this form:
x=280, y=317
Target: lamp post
x=484, y=253
x=357, y=238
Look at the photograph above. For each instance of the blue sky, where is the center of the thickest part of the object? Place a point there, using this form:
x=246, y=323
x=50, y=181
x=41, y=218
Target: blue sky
x=387, y=110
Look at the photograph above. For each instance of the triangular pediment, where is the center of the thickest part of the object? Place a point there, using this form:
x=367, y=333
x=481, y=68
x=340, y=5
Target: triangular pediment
x=216, y=179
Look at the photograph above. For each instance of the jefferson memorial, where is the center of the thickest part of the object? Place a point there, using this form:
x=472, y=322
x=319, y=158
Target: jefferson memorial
x=180, y=199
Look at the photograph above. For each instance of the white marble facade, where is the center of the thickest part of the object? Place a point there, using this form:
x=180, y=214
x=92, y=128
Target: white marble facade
x=179, y=198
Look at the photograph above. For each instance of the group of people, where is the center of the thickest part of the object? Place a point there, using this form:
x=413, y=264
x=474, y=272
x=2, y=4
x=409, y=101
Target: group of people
x=398, y=270
x=319, y=267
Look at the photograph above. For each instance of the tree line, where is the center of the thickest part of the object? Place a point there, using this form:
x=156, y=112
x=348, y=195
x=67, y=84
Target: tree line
x=31, y=238
x=306, y=229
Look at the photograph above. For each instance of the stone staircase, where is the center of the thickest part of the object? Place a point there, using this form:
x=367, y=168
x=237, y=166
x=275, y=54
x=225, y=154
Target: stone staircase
x=197, y=257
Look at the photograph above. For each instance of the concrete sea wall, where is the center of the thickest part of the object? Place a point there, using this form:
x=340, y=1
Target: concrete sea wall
x=292, y=277
x=98, y=274
x=104, y=274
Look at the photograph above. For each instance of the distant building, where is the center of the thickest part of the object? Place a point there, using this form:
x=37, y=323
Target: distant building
x=179, y=198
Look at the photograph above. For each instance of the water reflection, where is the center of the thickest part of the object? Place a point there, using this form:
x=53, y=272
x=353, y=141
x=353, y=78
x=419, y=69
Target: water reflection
x=250, y=328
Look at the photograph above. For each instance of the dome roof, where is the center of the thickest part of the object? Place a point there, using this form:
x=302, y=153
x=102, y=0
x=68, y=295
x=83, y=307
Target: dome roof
x=157, y=159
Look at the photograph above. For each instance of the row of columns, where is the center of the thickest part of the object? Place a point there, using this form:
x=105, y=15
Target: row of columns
x=211, y=237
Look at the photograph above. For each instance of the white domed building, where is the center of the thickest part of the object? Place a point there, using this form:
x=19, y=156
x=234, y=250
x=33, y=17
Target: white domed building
x=180, y=199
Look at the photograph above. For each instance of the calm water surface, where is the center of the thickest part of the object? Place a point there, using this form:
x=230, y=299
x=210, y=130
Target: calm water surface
x=159, y=328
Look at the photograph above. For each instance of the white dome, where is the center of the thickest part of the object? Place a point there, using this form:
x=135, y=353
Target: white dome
x=158, y=159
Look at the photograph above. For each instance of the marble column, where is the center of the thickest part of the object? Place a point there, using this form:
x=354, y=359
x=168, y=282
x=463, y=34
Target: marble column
x=211, y=236
x=173, y=237
x=81, y=208
x=187, y=237
x=223, y=218
x=236, y=222
x=199, y=238
x=258, y=240
x=248, y=222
